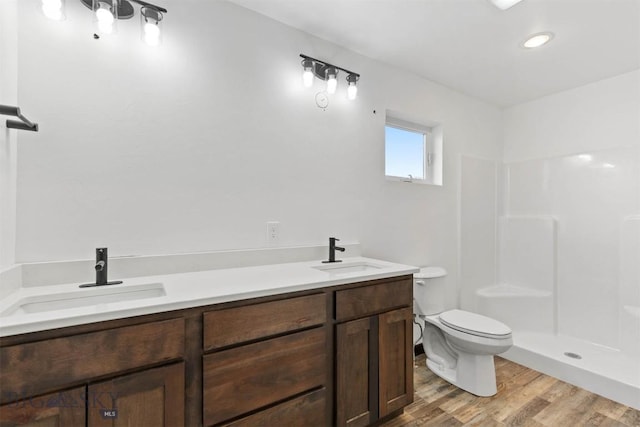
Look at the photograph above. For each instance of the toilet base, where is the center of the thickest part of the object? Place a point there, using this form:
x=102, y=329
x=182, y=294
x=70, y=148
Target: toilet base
x=475, y=374
x=443, y=372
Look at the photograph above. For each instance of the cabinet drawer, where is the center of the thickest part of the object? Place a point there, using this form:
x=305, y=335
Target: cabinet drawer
x=253, y=376
x=372, y=299
x=236, y=325
x=304, y=411
x=43, y=366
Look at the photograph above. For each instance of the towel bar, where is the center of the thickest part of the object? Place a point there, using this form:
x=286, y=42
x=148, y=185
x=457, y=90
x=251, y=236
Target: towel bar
x=25, y=124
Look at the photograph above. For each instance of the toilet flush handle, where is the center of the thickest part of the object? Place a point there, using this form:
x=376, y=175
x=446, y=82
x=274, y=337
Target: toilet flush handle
x=420, y=282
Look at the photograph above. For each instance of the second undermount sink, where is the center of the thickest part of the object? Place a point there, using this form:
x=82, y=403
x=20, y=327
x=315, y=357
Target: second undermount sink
x=348, y=267
x=96, y=296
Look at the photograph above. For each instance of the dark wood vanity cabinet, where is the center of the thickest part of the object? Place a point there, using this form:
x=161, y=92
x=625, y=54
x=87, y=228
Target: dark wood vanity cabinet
x=332, y=356
x=374, y=368
x=130, y=375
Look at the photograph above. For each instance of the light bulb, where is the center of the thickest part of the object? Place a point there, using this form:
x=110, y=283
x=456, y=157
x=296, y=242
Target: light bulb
x=307, y=78
x=150, y=28
x=151, y=34
x=352, y=91
x=104, y=16
x=307, y=73
x=52, y=9
x=105, y=20
x=332, y=84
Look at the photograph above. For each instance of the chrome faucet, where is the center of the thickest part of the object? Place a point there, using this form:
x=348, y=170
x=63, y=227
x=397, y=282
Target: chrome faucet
x=102, y=259
x=332, y=250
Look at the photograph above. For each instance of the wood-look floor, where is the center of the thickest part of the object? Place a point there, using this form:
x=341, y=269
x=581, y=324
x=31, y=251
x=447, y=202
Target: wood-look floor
x=525, y=398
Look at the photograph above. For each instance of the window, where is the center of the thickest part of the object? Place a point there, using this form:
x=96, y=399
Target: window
x=413, y=152
x=404, y=152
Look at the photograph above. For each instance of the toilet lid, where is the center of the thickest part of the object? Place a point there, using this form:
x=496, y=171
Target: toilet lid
x=474, y=324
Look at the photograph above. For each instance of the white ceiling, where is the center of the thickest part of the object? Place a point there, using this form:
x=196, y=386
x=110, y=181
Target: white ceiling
x=473, y=47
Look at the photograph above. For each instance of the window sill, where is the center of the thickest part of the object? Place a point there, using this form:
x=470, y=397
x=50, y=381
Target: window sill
x=407, y=180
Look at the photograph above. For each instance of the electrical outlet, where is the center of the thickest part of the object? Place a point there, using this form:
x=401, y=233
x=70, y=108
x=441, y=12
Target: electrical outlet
x=273, y=232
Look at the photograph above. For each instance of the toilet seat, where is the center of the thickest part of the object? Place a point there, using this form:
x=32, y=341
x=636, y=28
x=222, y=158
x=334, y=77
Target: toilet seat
x=474, y=324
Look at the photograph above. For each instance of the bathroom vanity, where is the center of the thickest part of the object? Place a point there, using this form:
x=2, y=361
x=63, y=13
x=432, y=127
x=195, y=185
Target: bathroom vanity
x=336, y=352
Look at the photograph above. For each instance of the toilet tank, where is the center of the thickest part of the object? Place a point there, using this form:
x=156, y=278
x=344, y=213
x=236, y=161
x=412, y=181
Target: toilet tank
x=429, y=290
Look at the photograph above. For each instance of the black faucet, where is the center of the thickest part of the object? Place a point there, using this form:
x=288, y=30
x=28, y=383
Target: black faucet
x=332, y=250
x=102, y=260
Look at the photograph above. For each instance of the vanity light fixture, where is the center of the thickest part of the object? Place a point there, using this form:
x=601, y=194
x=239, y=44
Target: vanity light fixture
x=537, y=40
x=328, y=72
x=108, y=12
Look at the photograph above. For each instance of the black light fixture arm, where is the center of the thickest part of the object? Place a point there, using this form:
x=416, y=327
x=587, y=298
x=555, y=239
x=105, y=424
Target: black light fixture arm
x=25, y=124
x=319, y=67
x=145, y=4
x=125, y=9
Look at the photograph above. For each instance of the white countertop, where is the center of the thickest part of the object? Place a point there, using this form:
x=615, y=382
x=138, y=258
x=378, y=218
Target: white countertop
x=184, y=290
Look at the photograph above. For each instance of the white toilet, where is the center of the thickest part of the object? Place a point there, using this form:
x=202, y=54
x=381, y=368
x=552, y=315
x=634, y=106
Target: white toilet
x=459, y=345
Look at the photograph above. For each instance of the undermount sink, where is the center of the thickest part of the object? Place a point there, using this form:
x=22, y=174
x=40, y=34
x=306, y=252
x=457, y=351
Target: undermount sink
x=347, y=268
x=96, y=296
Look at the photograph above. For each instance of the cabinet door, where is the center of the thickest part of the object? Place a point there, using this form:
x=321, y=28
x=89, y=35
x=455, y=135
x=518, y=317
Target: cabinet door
x=152, y=398
x=396, y=360
x=356, y=373
x=62, y=409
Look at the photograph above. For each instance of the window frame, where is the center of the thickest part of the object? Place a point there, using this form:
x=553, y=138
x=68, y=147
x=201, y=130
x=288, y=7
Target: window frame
x=428, y=136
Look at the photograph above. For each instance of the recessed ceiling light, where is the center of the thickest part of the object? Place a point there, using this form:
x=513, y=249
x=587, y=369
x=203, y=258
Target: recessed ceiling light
x=537, y=40
x=504, y=4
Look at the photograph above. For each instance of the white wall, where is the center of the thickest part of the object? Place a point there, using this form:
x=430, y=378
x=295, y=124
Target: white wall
x=597, y=116
x=8, y=138
x=195, y=145
x=576, y=156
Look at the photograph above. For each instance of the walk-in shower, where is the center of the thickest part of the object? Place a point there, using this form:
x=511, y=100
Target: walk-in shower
x=567, y=276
